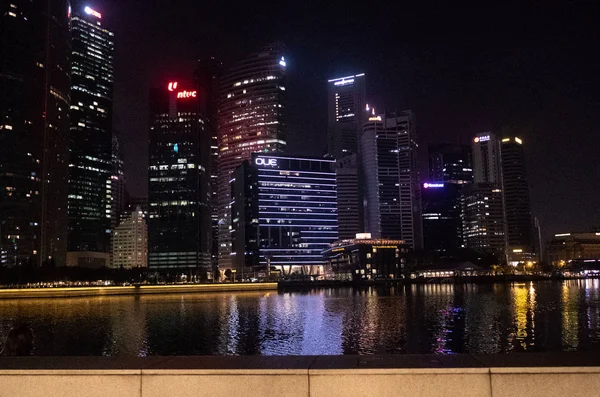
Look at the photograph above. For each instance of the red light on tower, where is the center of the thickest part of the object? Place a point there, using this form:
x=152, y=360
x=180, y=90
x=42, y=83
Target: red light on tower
x=172, y=85
x=186, y=94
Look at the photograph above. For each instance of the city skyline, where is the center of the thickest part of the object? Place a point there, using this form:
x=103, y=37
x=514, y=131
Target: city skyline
x=250, y=115
x=458, y=84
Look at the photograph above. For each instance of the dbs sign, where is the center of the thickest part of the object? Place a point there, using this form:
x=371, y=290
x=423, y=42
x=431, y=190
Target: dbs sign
x=172, y=87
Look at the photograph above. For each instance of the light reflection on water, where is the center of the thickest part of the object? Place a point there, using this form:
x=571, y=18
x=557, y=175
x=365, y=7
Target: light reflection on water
x=438, y=318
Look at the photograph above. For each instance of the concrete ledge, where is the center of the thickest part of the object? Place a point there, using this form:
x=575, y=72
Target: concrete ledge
x=314, y=376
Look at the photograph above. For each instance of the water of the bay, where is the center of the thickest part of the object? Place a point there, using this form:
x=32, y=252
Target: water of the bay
x=432, y=318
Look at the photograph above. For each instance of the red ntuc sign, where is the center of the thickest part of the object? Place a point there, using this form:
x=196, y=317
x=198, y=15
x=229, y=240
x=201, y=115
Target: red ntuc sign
x=181, y=94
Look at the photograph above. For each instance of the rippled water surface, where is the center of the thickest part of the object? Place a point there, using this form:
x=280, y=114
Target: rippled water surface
x=446, y=318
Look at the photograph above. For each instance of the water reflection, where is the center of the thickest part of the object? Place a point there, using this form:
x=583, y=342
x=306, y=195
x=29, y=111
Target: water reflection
x=439, y=318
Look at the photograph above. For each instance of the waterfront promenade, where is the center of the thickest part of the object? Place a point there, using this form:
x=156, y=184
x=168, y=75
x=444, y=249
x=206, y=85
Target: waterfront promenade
x=72, y=292
x=531, y=375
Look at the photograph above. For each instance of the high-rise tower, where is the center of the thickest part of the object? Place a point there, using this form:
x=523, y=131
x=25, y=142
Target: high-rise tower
x=482, y=208
x=346, y=106
x=179, y=182
x=486, y=158
x=517, y=206
x=34, y=124
x=251, y=109
x=450, y=171
x=207, y=76
x=346, y=114
x=90, y=148
x=391, y=178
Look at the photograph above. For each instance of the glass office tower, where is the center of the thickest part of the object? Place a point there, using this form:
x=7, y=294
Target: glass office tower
x=179, y=225
x=391, y=178
x=251, y=109
x=35, y=53
x=91, y=144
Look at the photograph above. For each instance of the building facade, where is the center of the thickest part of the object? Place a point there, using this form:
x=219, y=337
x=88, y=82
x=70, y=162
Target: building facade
x=482, y=215
x=90, y=145
x=117, y=182
x=517, y=205
x=284, y=213
x=568, y=247
x=450, y=164
x=35, y=53
x=207, y=76
x=442, y=227
x=366, y=258
x=486, y=158
x=346, y=103
x=449, y=170
x=130, y=242
x=348, y=197
x=251, y=119
x=179, y=225
x=391, y=178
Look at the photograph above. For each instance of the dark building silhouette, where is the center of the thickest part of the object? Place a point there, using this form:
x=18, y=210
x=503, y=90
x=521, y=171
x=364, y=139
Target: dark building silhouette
x=450, y=164
x=517, y=205
x=346, y=114
x=346, y=105
x=207, y=76
x=449, y=171
x=391, y=178
x=349, y=194
x=91, y=139
x=34, y=124
x=179, y=230
x=442, y=228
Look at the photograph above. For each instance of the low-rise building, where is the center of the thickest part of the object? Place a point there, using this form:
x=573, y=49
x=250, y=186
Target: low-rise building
x=450, y=269
x=567, y=247
x=130, y=242
x=365, y=258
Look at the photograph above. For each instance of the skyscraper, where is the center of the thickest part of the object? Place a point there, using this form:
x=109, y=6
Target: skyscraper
x=251, y=110
x=207, y=75
x=482, y=218
x=179, y=229
x=486, y=158
x=117, y=182
x=391, y=178
x=450, y=164
x=442, y=228
x=346, y=105
x=515, y=187
x=348, y=197
x=482, y=207
x=449, y=171
x=284, y=213
x=91, y=144
x=34, y=125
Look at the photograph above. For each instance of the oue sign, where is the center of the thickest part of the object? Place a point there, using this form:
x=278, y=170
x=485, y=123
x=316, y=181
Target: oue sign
x=266, y=162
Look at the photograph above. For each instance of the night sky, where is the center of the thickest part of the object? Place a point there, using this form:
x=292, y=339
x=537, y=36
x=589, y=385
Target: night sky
x=532, y=70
